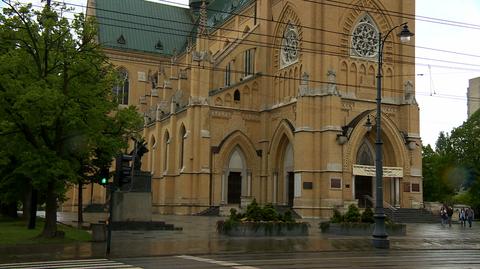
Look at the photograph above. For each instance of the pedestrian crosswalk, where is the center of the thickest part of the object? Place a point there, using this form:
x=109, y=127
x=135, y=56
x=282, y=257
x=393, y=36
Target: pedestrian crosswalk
x=68, y=264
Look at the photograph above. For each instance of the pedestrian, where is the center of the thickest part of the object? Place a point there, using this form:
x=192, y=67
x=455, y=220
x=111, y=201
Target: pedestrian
x=469, y=214
x=461, y=217
x=449, y=214
x=443, y=215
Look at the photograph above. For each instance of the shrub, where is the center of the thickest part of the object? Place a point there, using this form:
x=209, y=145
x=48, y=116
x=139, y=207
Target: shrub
x=353, y=214
x=268, y=213
x=254, y=211
x=337, y=216
x=367, y=215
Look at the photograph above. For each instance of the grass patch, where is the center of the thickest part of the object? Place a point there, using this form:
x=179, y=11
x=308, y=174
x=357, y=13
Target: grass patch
x=14, y=231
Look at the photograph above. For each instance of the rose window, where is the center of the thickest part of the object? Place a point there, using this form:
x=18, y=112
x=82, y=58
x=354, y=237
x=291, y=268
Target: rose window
x=365, y=39
x=290, y=46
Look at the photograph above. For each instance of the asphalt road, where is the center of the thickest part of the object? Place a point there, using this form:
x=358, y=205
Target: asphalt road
x=417, y=259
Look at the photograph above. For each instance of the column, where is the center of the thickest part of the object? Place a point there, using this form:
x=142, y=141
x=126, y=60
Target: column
x=397, y=192
x=223, y=187
x=275, y=184
x=249, y=183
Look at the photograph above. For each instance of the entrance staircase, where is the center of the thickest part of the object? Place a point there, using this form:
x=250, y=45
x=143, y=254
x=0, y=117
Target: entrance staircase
x=411, y=215
x=211, y=211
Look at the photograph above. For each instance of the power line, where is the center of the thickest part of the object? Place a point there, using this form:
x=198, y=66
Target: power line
x=274, y=36
x=321, y=82
x=275, y=46
x=289, y=78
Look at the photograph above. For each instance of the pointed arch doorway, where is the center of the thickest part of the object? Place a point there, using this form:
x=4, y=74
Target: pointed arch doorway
x=236, y=174
x=363, y=185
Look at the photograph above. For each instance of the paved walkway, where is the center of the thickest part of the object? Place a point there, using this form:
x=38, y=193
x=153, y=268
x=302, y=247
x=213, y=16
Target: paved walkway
x=199, y=236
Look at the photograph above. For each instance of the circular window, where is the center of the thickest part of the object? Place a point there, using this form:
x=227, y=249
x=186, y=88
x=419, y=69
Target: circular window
x=365, y=40
x=290, y=46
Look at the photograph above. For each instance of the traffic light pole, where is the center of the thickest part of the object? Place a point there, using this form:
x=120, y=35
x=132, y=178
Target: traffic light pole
x=111, y=188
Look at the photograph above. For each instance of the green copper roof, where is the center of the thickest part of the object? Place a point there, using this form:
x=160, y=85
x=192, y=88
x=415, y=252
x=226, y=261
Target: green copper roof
x=221, y=10
x=143, y=26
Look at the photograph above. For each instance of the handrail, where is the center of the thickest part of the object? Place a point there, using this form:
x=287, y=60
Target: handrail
x=385, y=204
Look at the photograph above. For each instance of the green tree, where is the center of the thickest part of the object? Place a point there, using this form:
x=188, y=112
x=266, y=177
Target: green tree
x=436, y=166
x=56, y=108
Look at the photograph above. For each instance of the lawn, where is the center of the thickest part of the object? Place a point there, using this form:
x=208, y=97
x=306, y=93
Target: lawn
x=16, y=232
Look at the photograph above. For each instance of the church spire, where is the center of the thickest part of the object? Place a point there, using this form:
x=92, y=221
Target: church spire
x=202, y=27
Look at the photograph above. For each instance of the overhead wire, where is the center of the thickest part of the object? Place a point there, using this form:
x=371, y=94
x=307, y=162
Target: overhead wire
x=248, y=16
x=278, y=47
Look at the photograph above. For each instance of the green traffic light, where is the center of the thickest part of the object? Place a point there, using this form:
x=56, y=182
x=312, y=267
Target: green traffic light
x=103, y=181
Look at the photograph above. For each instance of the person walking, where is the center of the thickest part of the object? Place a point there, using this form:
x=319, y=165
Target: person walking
x=449, y=214
x=461, y=216
x=443, y=215
x=469, y=215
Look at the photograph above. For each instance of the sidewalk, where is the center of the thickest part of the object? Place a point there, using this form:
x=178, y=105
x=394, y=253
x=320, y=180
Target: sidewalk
x=199, y=236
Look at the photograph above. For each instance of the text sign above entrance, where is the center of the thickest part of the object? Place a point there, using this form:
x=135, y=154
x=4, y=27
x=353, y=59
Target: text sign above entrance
x=369, y=171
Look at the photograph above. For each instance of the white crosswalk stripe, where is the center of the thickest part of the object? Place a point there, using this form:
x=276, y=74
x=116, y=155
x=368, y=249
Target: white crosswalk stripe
x=70, y=264
x=222, y=263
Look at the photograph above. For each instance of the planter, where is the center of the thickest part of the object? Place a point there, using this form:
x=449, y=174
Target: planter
x=263, y=228
x=359, y=229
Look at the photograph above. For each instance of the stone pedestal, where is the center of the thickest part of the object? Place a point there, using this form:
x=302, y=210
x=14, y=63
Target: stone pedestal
x=132, y=206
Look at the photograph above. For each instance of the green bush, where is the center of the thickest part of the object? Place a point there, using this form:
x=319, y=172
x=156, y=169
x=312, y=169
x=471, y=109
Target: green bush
x=337, y=216
x=257, y=213
x=367, y=215
x=352, y=215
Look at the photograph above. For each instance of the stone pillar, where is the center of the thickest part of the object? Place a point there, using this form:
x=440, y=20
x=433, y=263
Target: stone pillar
x=275, y=187
x=223, y=188
x=397, y=192
x=249, y=183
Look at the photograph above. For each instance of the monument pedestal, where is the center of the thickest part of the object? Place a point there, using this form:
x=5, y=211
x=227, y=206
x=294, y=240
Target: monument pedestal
x=132, y=206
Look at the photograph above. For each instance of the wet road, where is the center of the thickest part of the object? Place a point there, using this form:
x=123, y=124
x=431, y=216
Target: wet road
x=199, y=238
x=357, y=259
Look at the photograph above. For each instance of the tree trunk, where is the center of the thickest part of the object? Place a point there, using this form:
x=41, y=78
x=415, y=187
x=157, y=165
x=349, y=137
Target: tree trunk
x=26, y=202
x=80, y=204
x=50, y=228
x=32, y=214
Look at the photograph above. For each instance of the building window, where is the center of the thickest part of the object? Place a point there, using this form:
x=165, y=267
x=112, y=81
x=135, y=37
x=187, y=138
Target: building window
x=236, y=96
x=228, y=74
x=120, y=90
x=335, y=183
x=249, y=62
x=183, y=136
x=365, y=38
x=165, y=149
x=415, y=187
x=290, y=46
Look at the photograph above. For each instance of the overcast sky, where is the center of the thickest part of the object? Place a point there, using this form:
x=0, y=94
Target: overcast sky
x=441, y=84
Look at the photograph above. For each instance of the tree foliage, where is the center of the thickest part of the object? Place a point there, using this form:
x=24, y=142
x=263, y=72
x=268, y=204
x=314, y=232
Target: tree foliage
x=58, y=120
x=454, y=166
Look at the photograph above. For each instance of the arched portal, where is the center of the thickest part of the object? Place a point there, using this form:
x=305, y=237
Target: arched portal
x=364, y=184
x=236, y=177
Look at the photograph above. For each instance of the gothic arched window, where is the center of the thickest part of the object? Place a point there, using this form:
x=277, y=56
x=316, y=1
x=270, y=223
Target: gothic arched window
x=120, y=90
x=183, y=136
x=365, y=38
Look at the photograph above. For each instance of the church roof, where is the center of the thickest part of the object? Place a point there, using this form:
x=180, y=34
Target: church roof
x=154, y=27
x=143, y=26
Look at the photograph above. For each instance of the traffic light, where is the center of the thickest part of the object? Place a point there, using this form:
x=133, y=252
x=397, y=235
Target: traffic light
x=123, y=170
x=104, y=176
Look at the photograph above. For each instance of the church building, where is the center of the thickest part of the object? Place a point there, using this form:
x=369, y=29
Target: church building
x=272, y=100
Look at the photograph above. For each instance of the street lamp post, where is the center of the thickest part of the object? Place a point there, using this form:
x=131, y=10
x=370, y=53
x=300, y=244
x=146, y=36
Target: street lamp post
x=380, y=237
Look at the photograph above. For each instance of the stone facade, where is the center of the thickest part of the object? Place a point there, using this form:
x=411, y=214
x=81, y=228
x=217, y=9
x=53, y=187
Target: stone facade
x=275, y=109
x=473, y=96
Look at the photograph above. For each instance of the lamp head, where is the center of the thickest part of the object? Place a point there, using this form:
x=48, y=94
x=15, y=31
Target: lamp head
x=368, y=125
x=405, y=35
